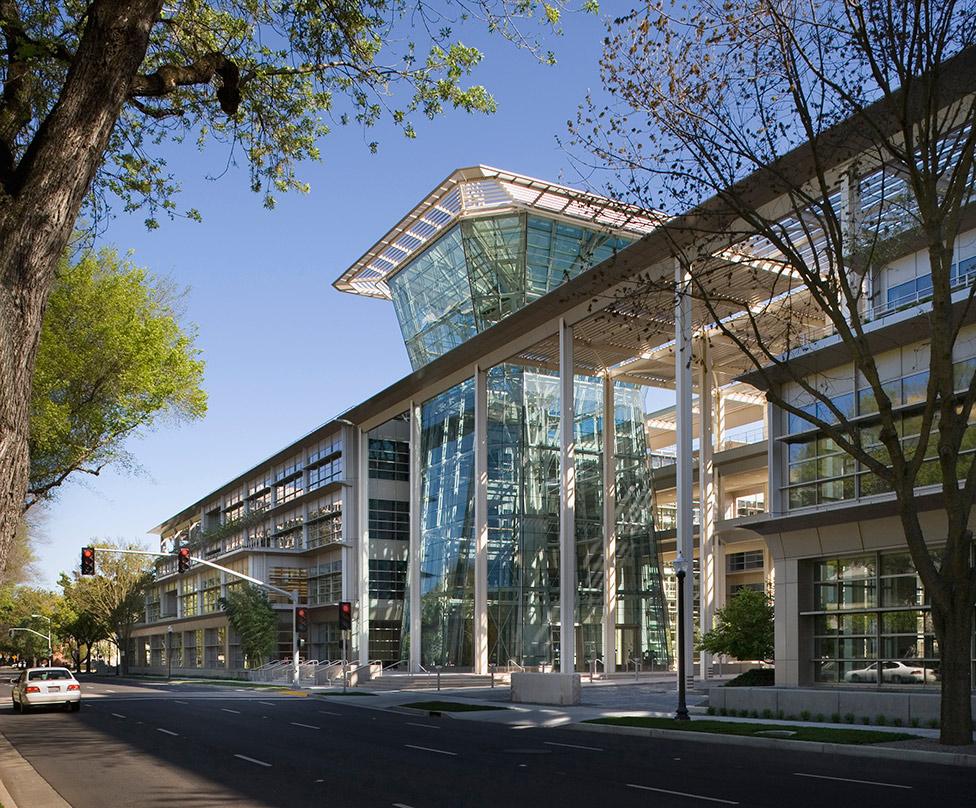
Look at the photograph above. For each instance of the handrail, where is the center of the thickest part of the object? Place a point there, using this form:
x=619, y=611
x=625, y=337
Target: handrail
x=396, y=664
x=423, y=669
x=513, y=663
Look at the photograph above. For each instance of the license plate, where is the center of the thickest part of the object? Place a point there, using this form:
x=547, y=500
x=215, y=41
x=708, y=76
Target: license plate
x=53, y=689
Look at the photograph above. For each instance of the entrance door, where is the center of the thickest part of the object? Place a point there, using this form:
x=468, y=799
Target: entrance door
x=628, y=645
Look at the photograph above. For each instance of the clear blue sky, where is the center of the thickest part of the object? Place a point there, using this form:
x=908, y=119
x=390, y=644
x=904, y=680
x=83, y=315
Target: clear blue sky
x=284, y=350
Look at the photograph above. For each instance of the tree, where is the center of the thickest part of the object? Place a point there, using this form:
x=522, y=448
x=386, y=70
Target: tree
x=20, y=559
x=83, y=628
x=112, y=361
x=115, y=597
x=91, y=90
x=757, y=121
x=254, y=620
x=744, y=628
x=18, y=605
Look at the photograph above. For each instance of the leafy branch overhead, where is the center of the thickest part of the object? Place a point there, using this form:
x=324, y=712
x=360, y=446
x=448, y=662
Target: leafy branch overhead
x=266, y=80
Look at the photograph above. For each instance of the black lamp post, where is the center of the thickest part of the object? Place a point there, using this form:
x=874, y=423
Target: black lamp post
x=169, y=653
x=681, y=570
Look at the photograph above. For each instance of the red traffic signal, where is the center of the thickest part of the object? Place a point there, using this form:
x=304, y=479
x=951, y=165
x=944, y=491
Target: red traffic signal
x=87, y=560
x=183, y=559
x=345, y=616
x=301, y=620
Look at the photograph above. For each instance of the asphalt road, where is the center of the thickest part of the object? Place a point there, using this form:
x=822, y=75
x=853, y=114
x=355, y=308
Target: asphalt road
x=135, y=745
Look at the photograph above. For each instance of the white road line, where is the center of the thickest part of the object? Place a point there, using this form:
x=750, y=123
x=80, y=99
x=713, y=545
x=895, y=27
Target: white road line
x=167, y=731
x=118, y=715
x=224, y=709
x=253, y=760
x=179, y=702
x=524, y=726
x=573, y=746
x=401, y=805
x=849, y=780
x=682, y=794
x=109, y=691
x=269, y=703
x=425, y=726
x=428, y=749
x=326, y=712
x=307, y=726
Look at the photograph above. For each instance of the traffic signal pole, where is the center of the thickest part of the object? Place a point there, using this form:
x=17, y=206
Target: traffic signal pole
x=292, y=596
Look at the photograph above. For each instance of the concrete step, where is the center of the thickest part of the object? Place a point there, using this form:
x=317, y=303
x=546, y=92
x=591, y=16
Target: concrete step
x=407, y=681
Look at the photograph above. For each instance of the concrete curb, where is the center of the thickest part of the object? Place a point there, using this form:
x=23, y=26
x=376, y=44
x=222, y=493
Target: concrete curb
x=21, y=778
x=851, y=750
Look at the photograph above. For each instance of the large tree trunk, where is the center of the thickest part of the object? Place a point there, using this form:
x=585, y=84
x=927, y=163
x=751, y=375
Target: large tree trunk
x=38, y=208
x=954, y=629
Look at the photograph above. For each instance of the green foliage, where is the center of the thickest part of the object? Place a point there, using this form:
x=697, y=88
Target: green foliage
x=18, y=604
x=113, y=360
x=255, y=622
x=744, y=627
x=754, y=677
x=266, y=81
x=115, y=597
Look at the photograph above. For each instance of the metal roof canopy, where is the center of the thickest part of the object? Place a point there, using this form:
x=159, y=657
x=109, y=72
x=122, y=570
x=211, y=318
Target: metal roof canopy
x=483, y=190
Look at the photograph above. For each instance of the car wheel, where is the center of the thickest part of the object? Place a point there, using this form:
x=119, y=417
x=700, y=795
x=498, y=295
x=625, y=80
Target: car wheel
x=855, y=677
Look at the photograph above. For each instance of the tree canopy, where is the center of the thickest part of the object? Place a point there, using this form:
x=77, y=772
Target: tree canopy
x=113, y=360
x=744, y=628
x=254, y=620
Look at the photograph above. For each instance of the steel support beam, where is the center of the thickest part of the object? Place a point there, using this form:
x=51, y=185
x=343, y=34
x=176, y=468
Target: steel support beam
x=709, y=504
x=684, y=470
x=609, y=528
x=567, y=502
x=414, y=566
x=480, y=521
x=362, y=560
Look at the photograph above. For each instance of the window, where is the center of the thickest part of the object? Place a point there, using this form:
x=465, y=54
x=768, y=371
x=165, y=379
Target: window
x=389, y=519
x=328, y=471
x=750, y=504
x=325, y=583
x=384, y=640
x=748, y=560
x=734, y=589
x=389, y=460
x=387, y=579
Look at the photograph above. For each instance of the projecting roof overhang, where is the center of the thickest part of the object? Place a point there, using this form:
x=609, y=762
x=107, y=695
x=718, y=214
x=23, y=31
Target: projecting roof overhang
x=480, y=190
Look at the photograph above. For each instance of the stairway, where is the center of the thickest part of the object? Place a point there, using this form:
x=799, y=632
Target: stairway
x=423, y=681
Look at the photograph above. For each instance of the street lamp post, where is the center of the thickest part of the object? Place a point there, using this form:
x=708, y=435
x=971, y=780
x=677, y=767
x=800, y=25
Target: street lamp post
x=50, y=650
x=169, y=653
x=681, y=570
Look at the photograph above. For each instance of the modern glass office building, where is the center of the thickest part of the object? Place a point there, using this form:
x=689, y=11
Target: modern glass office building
x=448, y=284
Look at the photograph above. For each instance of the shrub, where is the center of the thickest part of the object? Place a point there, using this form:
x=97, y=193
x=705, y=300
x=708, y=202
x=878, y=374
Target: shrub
x=754, y=714
x=711, y=711
x=743, y=713
x=914, y=722
x=767, y=713
x=791, y=717
x=780, y=715
x=849, y=718
x=865, y=720
x=896, y=722
x=744, y=627
x=835, y=718
x=880, y=719
x=754, y=677
x=804, y=715
x=722, y=711
x=820, y=717
x=933, y=723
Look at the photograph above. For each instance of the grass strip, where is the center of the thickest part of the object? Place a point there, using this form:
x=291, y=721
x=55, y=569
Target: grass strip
x=803, y=733
x=347, y=693
x=450, y=706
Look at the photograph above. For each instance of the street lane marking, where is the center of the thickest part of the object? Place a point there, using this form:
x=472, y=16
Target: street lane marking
x=269, y=703
x=179, y=702
x=168, y=732
x=682, y=794
x=401, y=805
x=425, y=726
x=224, y=709
x=573, y=746
x=118, y=715
x=849, y=780
x=428, y=749
x=326, y=712
x=307, y=726
x=253, y=760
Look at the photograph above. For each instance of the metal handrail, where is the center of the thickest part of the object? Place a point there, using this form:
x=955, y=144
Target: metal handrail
x=513, y=663
x=396, y=664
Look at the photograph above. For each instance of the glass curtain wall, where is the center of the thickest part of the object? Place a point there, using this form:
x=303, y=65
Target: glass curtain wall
x=523, y=524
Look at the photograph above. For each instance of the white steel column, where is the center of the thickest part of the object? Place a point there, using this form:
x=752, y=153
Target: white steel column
x=567, y=502
x=416, y=514
x=480, y=521
x=709, y=504
x=683, y=434
x=362, y=560
x=609, y=528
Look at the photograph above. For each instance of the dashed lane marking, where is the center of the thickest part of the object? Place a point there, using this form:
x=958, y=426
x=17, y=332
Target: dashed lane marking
x=683, y=794
x=428, y=749
x=226, y=710
x=326, y=712
x=253, y=760
x=180, y=702
x=118, y=715
x=573, y=746
x=167, y=731
x=269, y=703
x=425, y=726
x=307, y=726
x=850, y=780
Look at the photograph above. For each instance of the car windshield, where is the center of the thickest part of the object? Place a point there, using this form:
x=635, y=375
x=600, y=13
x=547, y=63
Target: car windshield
x=49, y=675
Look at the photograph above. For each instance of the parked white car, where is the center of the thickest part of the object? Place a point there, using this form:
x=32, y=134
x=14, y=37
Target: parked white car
x=40, y=687
x=892, y=671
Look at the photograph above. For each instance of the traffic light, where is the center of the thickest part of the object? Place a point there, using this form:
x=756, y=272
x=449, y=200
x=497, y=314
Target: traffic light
x=345, y=616
x=301, y=620
x=183, y=558
x=87, y=560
